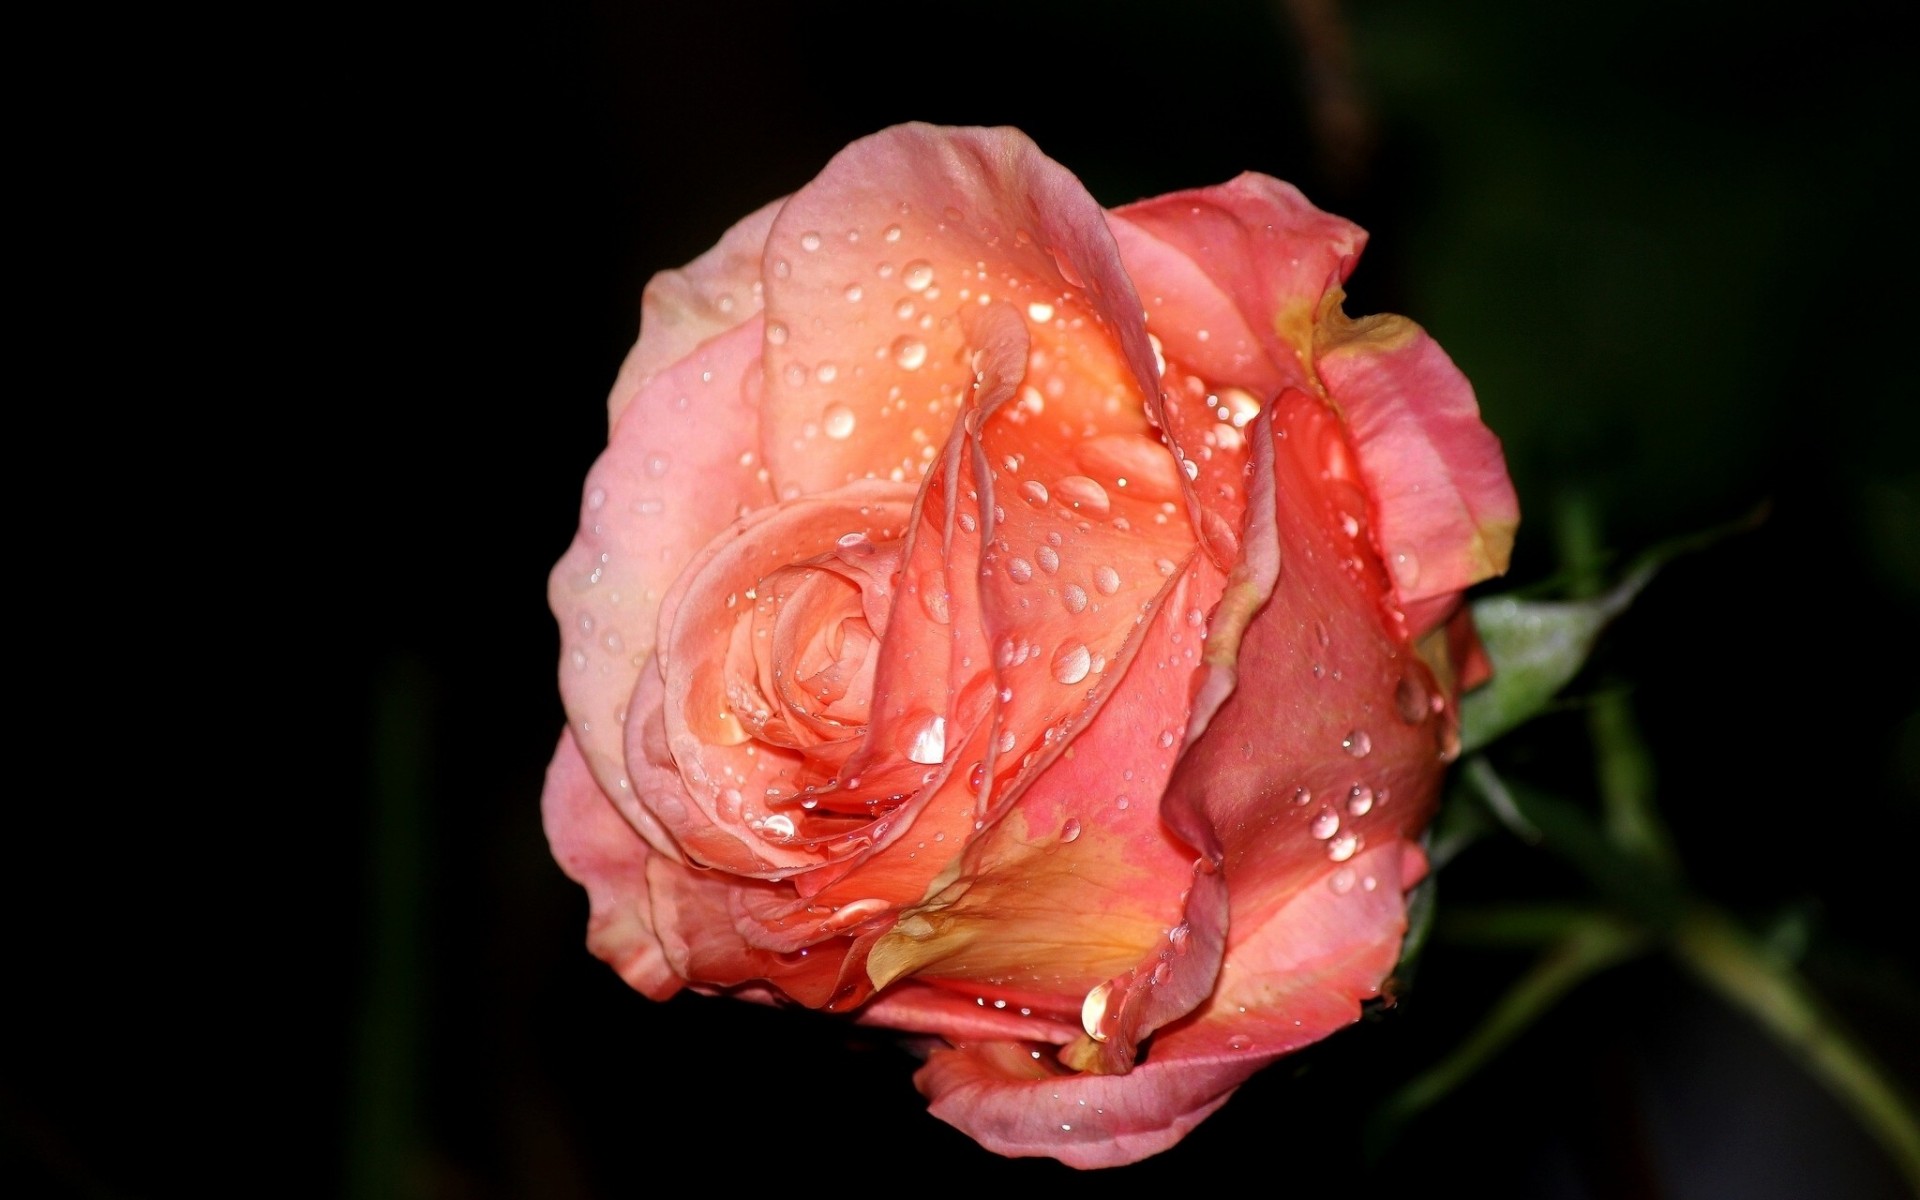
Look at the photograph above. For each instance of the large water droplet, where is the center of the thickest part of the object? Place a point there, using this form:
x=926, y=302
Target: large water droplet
x=1048, y=558
x=809, y=241
x=1341, y=849
x=1070, y=830
x=1074, y=597
x=917, y=275
x=929, y=742
x=1357, y=743
x=1019, y=570
x=854, y=912
x=837, y=420
x=1325, y=823
x=1082, y=494
x=1107, y=580
x=891, y=233
x=1093, y=1011
x=778, y=825
x=909, y=352
x=1071, y=663
x=1034, y=492
x=1360, y=800
x=1039, y=313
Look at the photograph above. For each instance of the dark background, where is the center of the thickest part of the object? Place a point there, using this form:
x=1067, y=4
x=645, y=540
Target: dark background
x=1664, y=240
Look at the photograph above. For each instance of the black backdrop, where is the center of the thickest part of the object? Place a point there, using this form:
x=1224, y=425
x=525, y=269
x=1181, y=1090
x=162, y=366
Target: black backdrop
x=1666, y=242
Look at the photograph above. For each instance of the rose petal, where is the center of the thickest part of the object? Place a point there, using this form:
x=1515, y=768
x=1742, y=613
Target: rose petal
x=1299, y=976
x=598, y=850
x=1444, y=509
x=1086, y=839
x=867, y=266
x=1262, y=244
x=641, y=522
x=725, y=779
x=714, y=294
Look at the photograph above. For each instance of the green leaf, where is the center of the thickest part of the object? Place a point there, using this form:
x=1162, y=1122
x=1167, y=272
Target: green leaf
x=1536, y=646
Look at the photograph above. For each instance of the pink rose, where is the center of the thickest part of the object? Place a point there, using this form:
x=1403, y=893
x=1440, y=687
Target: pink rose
x=1025, y=624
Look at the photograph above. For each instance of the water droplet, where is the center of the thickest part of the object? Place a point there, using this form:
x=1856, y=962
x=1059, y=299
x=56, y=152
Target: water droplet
x=1071, y=663
x=1162, y=971
x=1070, y=830
x=1341, y=882
x=909, y=352
x=891, y=233
x=929, y=742
x=1239, y=1041
x=1107, y=580
x=935, y=594
x=658, y=462
x=1357, y=743
x=1320, y=632
x=1410, y=699
x=968, y=523
x=1406, y=569
x=838, y=421
x=1122, y=801
x=1048, y=558
x=777, y=826
x=1240, y=405
x=1302, y=796
x=1093, y=1011
x=917, y=275
x=776, y=334
x=1019, y=570
x=854, y=293
x=1166, y=738
x=826, y=372
x=809, y=241
x=1074, y=597
x=1034, y=492
x=1039, y=313
x=1082, y=494
x=1325, y=823
x=1360, y=800
x=1165, y=566
x=854, y=912
x=596, y=498
x=1341, y=848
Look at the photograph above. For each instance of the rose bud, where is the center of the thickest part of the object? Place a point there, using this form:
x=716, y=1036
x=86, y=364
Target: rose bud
x=1024, y=624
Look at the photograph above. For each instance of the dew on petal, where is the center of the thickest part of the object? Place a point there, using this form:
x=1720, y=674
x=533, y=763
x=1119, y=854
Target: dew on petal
x=838, y=421
x=1357, y=743
x=1325, y=823
x=1341, y=849
x=1070, y=830
x=1083, y=494
x=929, y=742
x=1019, y=570
x=1074, y=597
x=1107, y=580
x=909, y=353
x=917, y=275
x=1071, y=663
x=1048, y=558
x=1360, y=800
x=1034, y=492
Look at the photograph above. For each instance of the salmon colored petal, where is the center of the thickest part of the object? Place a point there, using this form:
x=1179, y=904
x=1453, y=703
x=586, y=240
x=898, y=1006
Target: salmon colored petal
x=641, y=521
x=1262, y=244
x=868, y=267
x=725, y=817
x=1285, y=983
x=597, y=849
x=965, y=1015
x=1444, y=509
x=1342, y=729
x=1085, y=839
x=714, y=294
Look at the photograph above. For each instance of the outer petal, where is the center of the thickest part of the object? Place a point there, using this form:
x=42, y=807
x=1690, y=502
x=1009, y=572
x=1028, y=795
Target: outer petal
x=714, y=294
x=868, y=267
x=677, y=470
x=1300, y=976
x=1444, y=508
x=598, y=850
